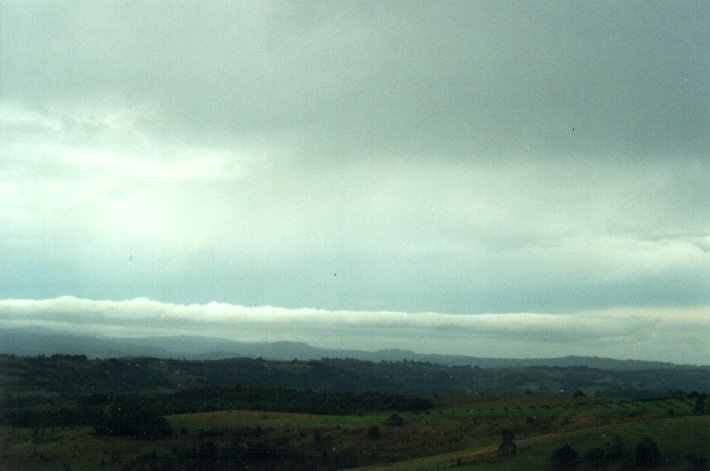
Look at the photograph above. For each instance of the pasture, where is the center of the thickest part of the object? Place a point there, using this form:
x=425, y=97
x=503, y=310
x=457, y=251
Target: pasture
x=460, y=431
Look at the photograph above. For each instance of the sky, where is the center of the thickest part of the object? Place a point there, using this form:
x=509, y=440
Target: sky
x=488, y=178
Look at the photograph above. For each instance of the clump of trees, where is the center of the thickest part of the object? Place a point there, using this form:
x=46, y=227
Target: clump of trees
x=130, y=418
x=595, y=458
x=702, y=405
x=395, y=420
x=616, y=450
x=697, y=463
x=283, y=400
x=102, y=410
x=373, y=433
x=564, y=457
x=507, y=446
x=646, y=455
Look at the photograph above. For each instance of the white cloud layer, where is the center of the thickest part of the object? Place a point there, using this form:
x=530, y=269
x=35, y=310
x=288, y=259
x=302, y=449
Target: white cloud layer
x=661, y=334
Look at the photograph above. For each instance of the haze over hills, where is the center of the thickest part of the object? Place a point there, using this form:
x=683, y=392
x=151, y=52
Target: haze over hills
x=42, y=341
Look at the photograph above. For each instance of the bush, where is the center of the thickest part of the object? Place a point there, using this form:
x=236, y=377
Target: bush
x=130, y=419
x=616, y=449
x=647, y=453
x=595, y=458
x=395, y=420
x=565, y=457
x=697, y=463
x=374, y=432
x=507, y=446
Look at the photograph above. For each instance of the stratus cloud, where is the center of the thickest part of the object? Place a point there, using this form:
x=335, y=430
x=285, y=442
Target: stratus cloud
x=616, y=332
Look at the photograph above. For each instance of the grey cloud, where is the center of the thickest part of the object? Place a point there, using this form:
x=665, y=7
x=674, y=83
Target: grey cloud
x=203, y=222
x=470, y=79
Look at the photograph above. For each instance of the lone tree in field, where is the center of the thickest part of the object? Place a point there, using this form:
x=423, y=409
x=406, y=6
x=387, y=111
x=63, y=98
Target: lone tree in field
x=647, y=453
x=616, y=449
x=565, y=457
x=507, y=446
x=595, y=458
x=395, y=420
x=373, y=433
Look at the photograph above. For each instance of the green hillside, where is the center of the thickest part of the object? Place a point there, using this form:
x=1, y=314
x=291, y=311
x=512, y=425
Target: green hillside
x=459, y=431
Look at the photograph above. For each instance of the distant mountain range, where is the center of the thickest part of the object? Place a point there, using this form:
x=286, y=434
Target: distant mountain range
x=37, y=341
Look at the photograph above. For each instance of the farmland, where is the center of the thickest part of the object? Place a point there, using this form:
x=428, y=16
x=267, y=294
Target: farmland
x=157, y=427
x=453, y=433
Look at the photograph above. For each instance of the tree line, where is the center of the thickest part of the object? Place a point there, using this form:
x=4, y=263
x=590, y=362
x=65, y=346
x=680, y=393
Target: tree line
x=114, y=414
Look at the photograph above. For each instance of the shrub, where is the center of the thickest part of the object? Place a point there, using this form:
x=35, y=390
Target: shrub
x=374, y=432
x=395, y=420
x=507, y=446
x=697, y=463
x=565, y=457
x=616, y=449
x=647, y=453
x=595, y=458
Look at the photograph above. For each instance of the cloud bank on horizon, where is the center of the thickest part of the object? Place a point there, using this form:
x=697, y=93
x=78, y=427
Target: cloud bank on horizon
x=631, y=333
x=464, y=157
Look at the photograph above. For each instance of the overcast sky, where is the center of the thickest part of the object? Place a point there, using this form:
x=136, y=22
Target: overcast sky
x=532, y=166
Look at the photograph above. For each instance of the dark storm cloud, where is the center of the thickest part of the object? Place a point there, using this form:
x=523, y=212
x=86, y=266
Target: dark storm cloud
x=464, y=79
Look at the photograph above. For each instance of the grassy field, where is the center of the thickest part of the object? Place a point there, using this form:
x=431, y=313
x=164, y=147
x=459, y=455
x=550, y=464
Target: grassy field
x=460, y=431
x=678, y=438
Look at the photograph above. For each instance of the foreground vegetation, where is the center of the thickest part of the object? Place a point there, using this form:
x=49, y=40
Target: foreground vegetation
x=279, y=428
x=457, y=432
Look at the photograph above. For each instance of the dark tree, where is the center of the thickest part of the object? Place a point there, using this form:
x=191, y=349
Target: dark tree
x=130, y=418
x=395, y=420
x=616, y=449
x=261, y=452
x=233, y=453
x=507, y=446
x=565, y=457
x=647, y=453
x=595, y=458
x=374, y=432
x=697, y=463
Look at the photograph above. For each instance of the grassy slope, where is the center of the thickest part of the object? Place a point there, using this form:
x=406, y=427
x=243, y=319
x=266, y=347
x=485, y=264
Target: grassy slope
x=440, y=436
x=677, y=438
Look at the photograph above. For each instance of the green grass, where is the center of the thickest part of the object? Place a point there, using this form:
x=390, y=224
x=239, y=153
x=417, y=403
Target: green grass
x=677, y=438
x=456, y=429
x=225, y=420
